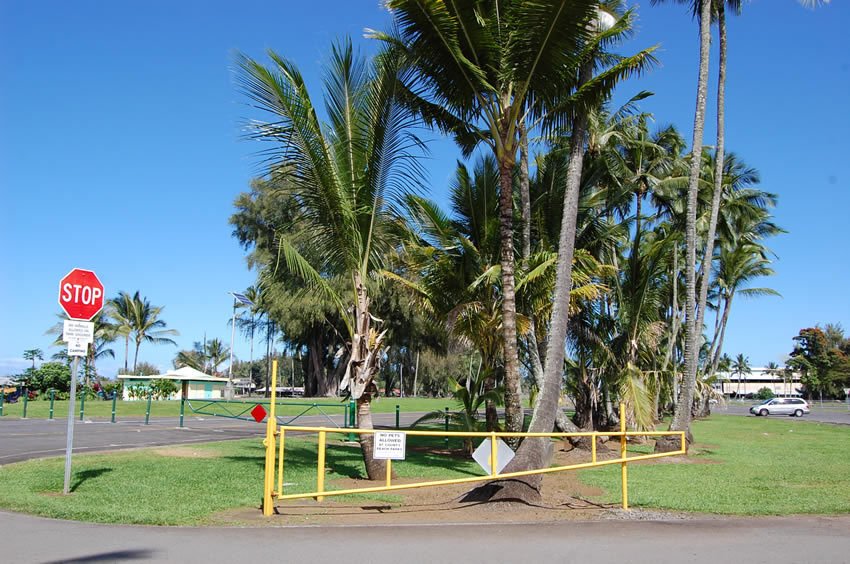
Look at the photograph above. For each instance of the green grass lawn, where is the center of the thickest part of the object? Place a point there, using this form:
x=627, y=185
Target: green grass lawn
x=286, y=407
x=153, y=486
x=744, y=465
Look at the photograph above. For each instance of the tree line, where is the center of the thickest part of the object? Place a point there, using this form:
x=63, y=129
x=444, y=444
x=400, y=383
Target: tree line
x=581, y=250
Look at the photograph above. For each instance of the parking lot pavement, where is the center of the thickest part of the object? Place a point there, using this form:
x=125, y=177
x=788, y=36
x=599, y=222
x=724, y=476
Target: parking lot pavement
x=830, y=413
x=23, y=439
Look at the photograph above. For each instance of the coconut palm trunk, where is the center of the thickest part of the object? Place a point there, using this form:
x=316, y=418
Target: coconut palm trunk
x=716, y=360
x=708, y=255
x=682, y=413
x=562, y=422
x=126, y=352
x=513, y=394
x=536, y=453
x=136, y=355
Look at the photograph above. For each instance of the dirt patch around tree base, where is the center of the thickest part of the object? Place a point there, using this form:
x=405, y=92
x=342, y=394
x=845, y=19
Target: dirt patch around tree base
x=566, y=499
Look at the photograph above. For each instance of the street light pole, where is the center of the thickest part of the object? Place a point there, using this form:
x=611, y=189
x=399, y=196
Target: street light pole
x=232, y=338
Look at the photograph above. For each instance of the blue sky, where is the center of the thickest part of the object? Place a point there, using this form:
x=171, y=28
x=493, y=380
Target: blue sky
x=120, y=151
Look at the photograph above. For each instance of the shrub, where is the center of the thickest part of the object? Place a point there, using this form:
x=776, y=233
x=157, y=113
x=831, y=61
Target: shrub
x=112, y=387
x=162, y=389
x=137, y=392
x=764, y=394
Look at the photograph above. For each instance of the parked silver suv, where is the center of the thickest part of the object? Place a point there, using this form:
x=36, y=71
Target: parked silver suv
x=794, y=407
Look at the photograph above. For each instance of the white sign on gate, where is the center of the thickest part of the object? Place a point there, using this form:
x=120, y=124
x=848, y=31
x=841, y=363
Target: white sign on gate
x=389, y=446
x=77, y=331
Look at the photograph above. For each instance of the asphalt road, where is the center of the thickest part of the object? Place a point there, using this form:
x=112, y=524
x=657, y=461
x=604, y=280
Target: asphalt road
x=775, y=540
x=23, y=439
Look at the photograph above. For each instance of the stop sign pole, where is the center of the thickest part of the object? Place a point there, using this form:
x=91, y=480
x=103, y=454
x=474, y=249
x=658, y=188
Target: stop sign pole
x=81, y=296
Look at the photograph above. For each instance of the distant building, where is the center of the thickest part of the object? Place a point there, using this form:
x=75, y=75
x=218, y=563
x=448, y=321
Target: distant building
x=782, y=383
x=191, y=384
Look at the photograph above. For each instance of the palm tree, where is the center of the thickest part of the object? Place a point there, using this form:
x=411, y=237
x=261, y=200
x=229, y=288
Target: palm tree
x=454, y=272
x=33, y=355
x=216, y=354
x=741, y=366
x=205, y=356
x=682, y=413
x=772, y=369
x=250, y=321
x=343, y=175
x=703, y=10
x=121, y=310
x=147, y=327
x=454, y=259
x=480, y=71
x=737, y=268
x=104, y=335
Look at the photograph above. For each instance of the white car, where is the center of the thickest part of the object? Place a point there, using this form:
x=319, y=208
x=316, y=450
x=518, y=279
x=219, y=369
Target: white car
x=795, y=407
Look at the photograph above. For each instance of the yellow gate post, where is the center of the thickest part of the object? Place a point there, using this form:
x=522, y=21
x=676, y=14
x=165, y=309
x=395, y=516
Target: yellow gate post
x=269, y=442
x=624, y=464
x=320, y=466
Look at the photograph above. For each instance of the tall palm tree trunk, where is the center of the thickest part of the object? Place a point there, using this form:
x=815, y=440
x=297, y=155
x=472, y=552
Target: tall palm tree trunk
x=713, y=347
x=718, y=169
x=562, y=422
x=536, y=453
x=136, y=355
x=513, y=397
x=126, y=352
x=715, y=361
x=682, y=413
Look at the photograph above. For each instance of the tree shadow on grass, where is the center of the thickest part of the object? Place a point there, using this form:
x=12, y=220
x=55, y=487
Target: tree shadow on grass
x=84, y=475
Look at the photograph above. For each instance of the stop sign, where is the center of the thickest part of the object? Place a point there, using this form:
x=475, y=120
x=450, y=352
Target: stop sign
x=81, y=294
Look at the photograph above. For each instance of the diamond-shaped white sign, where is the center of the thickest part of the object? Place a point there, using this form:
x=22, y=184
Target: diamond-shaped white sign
x=504, y=454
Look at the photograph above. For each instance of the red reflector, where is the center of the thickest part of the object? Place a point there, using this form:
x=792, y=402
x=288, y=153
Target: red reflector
x=258, y=413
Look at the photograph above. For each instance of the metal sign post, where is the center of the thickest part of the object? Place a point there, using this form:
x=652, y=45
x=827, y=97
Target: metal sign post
x=69, y=443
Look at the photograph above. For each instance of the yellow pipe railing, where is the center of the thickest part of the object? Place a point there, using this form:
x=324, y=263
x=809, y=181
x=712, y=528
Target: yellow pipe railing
x=271, y=432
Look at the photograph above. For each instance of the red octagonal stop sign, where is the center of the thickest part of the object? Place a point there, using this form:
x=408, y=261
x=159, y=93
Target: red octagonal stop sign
x=81, y=294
